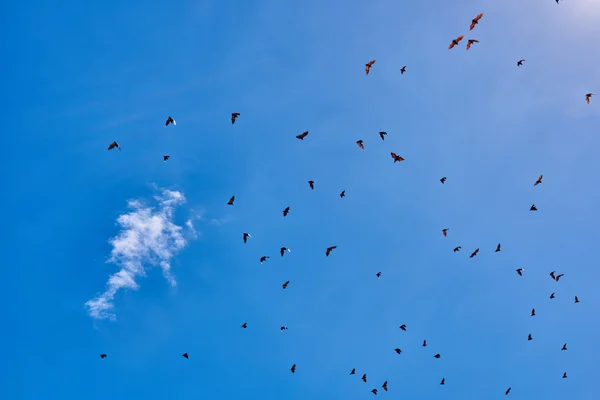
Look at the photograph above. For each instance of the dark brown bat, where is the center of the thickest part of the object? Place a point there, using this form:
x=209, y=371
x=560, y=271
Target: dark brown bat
x=185, y=355
x=588, y=97
x=302, y=135
x=529, y=337
x=443, y=382
x=473, y=254
x=457, y=248
x=445, y=232
x=234, y=116
x=293, y=369
x=245, y=325
x=382, y=135
x=497, y=248
x=165, y=158
x=455, y=42
x=475, y=21
x=246, y=236
x=285, y=284
x=532, y=312
x=329, y=250
x=368, y=66
x=399, y=351
x=170, y=121
x=443, y=180
x=402, y=70
x=343, y=194
x=384, y=386
x=286, y=211
x=353, y=371
x=374, y=391
x=533, y=208
x=576, y=299
x=437, y=356
x=311, y=184
x=364, y=378
x=424, y=343
x=539, y=180
x=520, y=62
x=103, y=356
x=113, y=145
x=378, y=274
x=403, y=327
x=283, y=250
x=520, y=271
x=231, y=200
x=263, y=259
x=396, y=157
x=360, y=144
x=507, y=391
x=470, y=42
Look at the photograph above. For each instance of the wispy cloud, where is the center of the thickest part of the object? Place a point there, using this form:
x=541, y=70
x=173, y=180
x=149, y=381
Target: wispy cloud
x=148, y=237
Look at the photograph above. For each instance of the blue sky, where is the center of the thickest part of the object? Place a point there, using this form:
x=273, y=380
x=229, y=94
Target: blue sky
x=80, y=76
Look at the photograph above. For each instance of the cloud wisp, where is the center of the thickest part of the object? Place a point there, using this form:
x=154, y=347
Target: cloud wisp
x=148, y=237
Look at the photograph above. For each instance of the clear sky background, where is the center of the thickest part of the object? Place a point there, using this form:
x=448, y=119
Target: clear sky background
x=77, y=76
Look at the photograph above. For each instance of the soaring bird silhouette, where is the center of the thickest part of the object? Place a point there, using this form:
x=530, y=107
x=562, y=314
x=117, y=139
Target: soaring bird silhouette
x=170, y=121
x=113, y=145
x=457, y=248
x=520, y=62
x=234, y=116
x=473, y=254
x=559, y=276
x=231, y=200
x=455, y=42
x=360, y=144
x=302, y=135
x=470, y=42
x=403, y=70
x=263, y=259
x=539, y=180
x=475, y=21
x=329, y=250
x=246, y=236
x=369, y=65
x=588, y=97
x=283, y=250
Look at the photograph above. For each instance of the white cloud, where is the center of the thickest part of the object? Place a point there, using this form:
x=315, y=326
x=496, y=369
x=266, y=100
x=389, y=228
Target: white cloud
x=148, y=237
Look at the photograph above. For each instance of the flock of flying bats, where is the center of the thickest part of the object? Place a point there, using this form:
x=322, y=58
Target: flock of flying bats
x=396, y=158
